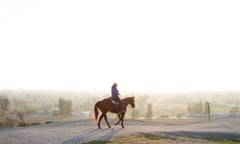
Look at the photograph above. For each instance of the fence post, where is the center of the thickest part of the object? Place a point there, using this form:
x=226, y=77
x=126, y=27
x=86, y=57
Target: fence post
x=208, y=110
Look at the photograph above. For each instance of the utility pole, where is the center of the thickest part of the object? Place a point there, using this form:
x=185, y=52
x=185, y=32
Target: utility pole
x=208, y=110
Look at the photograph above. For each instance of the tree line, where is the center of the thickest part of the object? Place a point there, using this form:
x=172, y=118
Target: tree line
x=4, y=105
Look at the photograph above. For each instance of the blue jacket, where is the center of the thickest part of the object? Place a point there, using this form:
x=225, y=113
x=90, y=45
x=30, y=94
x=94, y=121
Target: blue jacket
x=115, y=92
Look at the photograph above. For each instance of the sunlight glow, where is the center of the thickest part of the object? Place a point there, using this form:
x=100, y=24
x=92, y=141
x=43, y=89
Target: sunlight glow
x=142, y=45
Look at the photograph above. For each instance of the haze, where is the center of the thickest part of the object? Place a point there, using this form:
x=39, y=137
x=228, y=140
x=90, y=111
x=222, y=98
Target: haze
x=141, y=45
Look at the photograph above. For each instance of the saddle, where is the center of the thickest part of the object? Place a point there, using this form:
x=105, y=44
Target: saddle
x=117, y=105
x=114, y=102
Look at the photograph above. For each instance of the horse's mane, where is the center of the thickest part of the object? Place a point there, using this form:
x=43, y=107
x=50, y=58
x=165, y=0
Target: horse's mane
x=127, y=98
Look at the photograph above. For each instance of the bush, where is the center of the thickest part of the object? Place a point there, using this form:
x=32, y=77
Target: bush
x=24, y=124
x=30, y=109
x=48, y=122
x=135, y=113
x=149, y=111
x=180, y=115
x=163, y=116
x=1, y=124
x=234, y=110
x=36, y=123
x=11, y=122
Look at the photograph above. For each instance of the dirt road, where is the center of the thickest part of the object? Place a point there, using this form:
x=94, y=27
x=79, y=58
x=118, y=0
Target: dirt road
x=82, y=131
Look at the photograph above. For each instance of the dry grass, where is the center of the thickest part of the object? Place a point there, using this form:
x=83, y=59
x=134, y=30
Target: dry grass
x=11, y=122
x=154, y=139
x=35, y=120
x=174, y=120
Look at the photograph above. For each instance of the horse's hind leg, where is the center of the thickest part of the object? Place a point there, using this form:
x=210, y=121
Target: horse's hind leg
x=99, y=121
x=105, y=117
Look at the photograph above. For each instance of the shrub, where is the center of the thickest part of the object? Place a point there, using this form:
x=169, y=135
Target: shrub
x=149, y=111
x=24, y=124
x=48, y=122
x=135, y=113
x=36, y=123
x=30, y=109
x=11, y=122
x=1, y=124
x=234, y=110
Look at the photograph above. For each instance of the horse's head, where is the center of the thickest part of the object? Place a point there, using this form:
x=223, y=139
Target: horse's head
x=130, y=100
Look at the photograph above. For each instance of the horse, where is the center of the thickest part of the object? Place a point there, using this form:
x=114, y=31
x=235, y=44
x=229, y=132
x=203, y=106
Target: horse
x=107, y=105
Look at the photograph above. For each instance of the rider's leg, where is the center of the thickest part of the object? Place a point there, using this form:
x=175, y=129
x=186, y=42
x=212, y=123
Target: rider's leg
x=121, y=106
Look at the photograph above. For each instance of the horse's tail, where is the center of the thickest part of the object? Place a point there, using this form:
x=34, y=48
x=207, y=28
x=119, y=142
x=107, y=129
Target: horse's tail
x=96, y=112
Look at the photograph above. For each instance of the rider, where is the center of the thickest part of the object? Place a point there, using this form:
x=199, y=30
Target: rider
x=115, y=96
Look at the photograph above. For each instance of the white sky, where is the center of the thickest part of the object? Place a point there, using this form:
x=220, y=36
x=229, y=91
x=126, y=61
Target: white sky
x=141, y=45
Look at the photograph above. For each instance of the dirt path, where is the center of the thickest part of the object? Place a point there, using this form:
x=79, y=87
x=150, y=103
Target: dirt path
x=83, y=131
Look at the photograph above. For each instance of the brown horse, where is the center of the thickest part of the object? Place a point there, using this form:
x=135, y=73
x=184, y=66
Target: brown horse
x=107, y=105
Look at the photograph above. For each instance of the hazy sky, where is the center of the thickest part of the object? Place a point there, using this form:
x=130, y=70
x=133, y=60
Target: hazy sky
x=141, y=45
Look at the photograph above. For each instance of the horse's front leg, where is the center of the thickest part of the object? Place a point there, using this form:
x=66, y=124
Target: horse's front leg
x=119, y=119
x=122, y=119
x=99, y=121
x=105, y=117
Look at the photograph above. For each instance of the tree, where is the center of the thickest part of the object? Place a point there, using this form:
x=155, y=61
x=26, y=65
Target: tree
x=134, y=113
x=4, y=105
x=65, y=107
x=149, y=111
